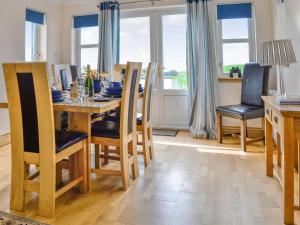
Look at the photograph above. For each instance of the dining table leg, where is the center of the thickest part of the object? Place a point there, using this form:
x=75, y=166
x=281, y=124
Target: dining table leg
x=81, y=122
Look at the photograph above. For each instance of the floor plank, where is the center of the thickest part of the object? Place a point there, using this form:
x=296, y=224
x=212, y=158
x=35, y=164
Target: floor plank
x=190, y=182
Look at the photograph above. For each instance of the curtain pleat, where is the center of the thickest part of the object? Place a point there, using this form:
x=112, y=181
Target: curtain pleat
x=109, y=36
x=202, y=69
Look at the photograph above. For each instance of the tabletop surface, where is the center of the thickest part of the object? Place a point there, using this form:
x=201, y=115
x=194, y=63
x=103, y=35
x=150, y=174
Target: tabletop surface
x=286, y=110
x=88, y=106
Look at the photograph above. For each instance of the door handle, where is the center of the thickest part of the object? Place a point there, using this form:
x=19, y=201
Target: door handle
x=160, y=71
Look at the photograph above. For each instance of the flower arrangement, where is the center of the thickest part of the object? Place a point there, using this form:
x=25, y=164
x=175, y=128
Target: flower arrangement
x=95, y=75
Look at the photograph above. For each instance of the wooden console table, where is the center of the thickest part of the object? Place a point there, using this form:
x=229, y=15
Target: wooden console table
x=285, y=119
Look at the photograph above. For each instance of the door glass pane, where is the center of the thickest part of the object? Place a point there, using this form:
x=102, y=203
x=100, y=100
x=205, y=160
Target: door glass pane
x=174, y=51
x=135, y=42
x=89, y=56
x=89, y=35
x=235, y=29
x=235, y=55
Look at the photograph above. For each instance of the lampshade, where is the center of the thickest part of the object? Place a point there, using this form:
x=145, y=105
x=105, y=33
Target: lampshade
x=279, y=52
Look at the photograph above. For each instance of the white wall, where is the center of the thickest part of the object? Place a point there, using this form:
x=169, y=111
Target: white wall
x=12, y=38
x=287, y=26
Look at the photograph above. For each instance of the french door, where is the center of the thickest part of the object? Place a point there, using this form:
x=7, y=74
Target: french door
x=160, y=36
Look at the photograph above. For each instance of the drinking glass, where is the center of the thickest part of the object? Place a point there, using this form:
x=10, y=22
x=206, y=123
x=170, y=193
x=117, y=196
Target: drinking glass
x=83, y=93
x=81, y=81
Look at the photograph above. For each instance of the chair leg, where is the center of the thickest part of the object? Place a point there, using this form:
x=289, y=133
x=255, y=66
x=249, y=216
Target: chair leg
x=105, y=150
x=220, y=128
x=244, y=135
x=17, y=194
x=135, y=165
x=58, y=174
x=97, y=156
x=83, y=169
x=47, y=189
x=146, y=149
x=76, y=165
x=150, y=143
x=71, y=167
x=124, y=165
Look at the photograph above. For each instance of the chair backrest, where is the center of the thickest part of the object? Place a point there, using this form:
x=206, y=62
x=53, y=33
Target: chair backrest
x=255, y=84
x=129, y=98
x=74, y=72
x=150, y=79
x=30, y=109
x=57, y=75
x=64, y=80
x=119, y=72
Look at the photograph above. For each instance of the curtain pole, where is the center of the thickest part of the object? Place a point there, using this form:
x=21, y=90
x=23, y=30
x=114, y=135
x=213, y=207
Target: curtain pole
x=135, y=2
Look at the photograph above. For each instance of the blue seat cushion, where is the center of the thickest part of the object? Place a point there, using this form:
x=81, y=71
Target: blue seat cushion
x=243, y=112
x=139, y=118
x=97, y=115
x=106, y=128
x=65, y=139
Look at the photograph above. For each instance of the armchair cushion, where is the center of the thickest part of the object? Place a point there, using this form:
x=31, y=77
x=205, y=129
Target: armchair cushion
x=243, y=112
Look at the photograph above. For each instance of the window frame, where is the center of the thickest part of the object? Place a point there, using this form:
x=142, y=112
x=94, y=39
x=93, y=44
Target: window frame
x=251, y=40
x=79, y=46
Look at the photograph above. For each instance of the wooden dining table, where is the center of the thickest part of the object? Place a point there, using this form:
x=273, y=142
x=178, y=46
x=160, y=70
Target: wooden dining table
x=80, y=118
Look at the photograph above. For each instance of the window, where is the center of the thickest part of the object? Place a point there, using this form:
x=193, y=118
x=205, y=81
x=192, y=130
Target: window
x=35, y=38
x=135, y=46
x=87, y=41
x=236, y=36
x=88, y=47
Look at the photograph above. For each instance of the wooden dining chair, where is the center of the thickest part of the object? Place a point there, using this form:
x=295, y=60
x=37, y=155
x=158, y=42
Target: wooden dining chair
x=121, y=134
x=75, y=71
x=119, y=72
x=144, y=119
x=64, y=80
x=34, y=140
x=57, y=68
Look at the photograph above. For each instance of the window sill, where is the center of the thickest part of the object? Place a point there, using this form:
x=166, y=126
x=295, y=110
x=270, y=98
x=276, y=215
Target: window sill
x=230, y=79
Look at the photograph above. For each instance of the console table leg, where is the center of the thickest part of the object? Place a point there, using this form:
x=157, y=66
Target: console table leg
x=288, y=170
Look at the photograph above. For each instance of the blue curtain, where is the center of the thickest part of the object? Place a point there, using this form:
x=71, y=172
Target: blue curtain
x=202, y=68
x=109, y=36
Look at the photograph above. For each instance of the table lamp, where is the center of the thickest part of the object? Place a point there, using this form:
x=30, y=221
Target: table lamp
x=279, y=53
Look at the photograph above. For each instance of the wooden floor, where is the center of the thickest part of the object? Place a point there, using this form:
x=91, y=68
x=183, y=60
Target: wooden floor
x=190, y=182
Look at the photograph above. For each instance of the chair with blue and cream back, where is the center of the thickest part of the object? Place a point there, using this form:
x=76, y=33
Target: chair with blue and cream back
x=144, y=120
x=121, y=134
x=34, y=140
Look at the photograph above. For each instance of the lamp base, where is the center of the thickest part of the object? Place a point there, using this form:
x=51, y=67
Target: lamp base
x=281, y=86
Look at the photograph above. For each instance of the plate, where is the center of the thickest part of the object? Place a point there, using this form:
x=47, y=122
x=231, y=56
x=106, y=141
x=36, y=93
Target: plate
x=101, y=99
x=106, y=95
x=57, y=100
